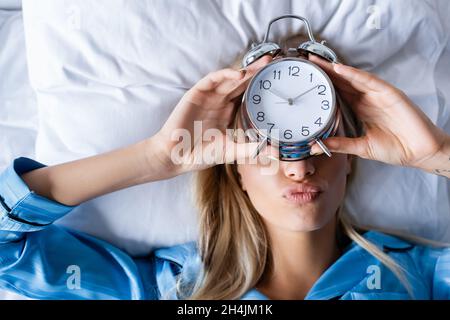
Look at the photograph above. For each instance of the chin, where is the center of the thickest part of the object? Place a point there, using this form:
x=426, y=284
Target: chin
x=306, y=220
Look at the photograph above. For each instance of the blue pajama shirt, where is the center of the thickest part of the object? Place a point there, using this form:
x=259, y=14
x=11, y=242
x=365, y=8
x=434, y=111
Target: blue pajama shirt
x=38, y=259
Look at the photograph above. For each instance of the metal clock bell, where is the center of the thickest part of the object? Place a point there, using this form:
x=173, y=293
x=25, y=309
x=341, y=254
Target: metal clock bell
x=291, y=103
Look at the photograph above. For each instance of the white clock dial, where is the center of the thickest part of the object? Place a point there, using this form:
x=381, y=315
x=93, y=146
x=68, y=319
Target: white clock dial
x=292, y=99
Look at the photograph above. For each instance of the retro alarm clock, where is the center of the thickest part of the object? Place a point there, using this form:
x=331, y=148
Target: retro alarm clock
x=291, y=103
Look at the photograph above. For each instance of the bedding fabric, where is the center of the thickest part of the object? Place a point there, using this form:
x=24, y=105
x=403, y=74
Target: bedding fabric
x=18, y=107
x=108, y=73
x=10, y=4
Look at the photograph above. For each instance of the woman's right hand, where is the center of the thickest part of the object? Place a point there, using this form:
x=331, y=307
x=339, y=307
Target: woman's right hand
x=210, y=104
x=397, y=132
x=211, y=101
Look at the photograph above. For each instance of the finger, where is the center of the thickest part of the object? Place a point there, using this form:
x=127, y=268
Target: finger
x=258, y=64
x=347, y=75
x=361, y=106
x=324, y=64
x=343, y=86
x=214, y=79
x=340, y=82
x=239, y=89
x=252, y=69
x=239, y=151
x=350, y=98
x=360, y=79
x=250, y=72
x=230, y=80
x=355, y=98
x=354, y=146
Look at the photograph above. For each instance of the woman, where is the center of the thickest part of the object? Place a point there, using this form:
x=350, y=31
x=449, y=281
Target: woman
x=281, y=236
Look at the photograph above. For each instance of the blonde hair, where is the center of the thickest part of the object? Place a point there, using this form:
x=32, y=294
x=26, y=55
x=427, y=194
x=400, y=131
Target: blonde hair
x=234, y=245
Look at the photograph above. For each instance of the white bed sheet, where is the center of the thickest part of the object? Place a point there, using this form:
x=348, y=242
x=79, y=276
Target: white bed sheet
x=88, y=68
x=105, y=82
x=18, y=121
x=10, y=4
x=18, y=107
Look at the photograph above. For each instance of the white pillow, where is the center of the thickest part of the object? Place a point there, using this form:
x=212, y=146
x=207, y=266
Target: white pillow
x=18, y=107
x=108, y=74
x=11, y=4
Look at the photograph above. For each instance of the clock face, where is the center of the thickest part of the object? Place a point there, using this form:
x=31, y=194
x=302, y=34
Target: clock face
x=291, y=100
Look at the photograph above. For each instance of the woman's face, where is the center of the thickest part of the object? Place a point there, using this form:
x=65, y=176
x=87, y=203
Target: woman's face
x=299, y=196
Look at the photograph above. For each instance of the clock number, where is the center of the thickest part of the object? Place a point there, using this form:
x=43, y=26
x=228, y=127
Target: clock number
x=294, y=71
x=319, y=122
x=311, y=77
x=265, y=84
x=271, y=127
x=288, y=134
x=276, y=75
x=322, y=90
x=325, y=104
x=261, y=116
x=305, y=131
x=256, y=99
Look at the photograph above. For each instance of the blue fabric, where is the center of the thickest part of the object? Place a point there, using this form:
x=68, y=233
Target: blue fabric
x=36, y=258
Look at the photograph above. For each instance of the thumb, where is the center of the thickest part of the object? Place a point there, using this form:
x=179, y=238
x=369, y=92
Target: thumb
x=354, y=146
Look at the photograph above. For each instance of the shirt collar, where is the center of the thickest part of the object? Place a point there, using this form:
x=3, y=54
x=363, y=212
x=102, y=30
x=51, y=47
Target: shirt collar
x=343, y=275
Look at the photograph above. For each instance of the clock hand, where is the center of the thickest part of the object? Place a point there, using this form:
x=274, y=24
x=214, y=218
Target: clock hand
x=289, y=102
x=304, y=93
x=260, y=147
x=279, y=95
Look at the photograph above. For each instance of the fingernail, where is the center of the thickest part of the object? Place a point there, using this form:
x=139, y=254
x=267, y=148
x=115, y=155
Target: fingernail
x=316, y=153
x=243, y=71
x=272, y=158
x=337, y=67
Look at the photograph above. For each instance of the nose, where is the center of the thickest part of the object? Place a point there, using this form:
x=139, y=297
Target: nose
x=298, y=170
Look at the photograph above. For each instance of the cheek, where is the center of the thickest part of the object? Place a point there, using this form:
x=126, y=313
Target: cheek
x=261, y=174
x=252, y=180
x=259, y=187
x=264, y=192
x=334, y=171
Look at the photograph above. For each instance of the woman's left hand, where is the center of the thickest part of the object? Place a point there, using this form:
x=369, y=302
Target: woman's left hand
x=397, y=132
x=195, y=135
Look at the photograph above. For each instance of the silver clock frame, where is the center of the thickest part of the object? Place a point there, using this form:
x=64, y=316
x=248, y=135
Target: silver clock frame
x=290, y=150
x=295, y=150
